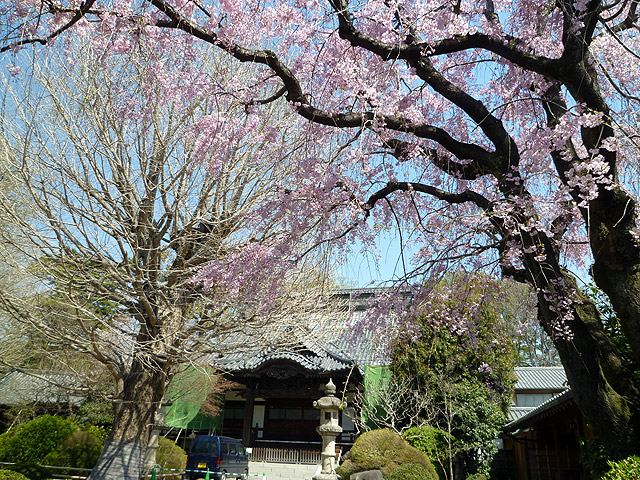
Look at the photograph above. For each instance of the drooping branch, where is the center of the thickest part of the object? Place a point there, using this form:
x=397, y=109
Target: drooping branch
x=505, y=47
x=491, y=126
x=78, y=14
x=402, y=150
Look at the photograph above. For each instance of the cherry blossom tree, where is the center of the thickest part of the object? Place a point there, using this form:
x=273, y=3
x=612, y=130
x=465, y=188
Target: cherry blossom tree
x=498, y=135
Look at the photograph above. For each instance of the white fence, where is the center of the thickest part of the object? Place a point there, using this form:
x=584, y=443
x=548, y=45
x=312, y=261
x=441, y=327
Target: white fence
x=285, y=455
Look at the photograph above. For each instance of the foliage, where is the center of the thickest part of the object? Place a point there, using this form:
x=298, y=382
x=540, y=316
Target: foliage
x=95, y=412
x=29, y=443
x=478, y=421
x=627, y=469
x=411, y=471
x=517, y=305
x=80, y=450
x=495, y=135
x=456, y=351
x=11, y=475
x=170, y=455
x=478, y=476
x=384, y=450
x=594, y=457
x=433, y=442
x=461, y=332
x=32, y=441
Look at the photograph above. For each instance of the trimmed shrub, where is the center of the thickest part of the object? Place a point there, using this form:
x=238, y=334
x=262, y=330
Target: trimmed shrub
x=346, y=468
x=11, y=475
x=411, y=471
x=80, y=450
x=171, y=456
x=383, y=450
x=28, y=443
x=478, y=476
x=627, y=469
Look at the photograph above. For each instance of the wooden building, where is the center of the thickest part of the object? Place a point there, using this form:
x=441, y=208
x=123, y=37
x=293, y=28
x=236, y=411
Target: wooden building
x=542, y=440
x=271, y=409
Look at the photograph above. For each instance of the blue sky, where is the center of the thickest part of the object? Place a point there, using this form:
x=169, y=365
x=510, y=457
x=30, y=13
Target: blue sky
x=363, y=267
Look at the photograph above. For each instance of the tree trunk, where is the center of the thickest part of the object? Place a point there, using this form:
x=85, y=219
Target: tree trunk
x=603, y=387
x=135, y=408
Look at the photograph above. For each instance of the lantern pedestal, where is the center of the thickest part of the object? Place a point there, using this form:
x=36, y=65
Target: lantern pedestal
x=329, y=429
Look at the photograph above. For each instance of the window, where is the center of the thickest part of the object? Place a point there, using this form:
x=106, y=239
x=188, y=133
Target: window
x=293, y=413
x=532, y=399
x=311, y=414
x=232, y=412
x=277, y=413
x=208, y=446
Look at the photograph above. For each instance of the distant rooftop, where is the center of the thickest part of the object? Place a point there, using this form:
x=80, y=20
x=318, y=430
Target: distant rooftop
x=18, y=388
x=541, y=378
x=339, y=349
x=532, y=380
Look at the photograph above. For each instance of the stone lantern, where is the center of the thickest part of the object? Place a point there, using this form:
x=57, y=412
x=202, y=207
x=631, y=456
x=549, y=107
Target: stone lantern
x=329, y=429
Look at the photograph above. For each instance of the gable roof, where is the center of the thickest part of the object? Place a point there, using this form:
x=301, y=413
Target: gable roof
x=342, y=347
x=330, y=342
x=541, y=378
x=20, y=387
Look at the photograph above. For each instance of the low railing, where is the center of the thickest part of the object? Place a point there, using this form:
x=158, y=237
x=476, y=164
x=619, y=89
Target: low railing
x=285, y=455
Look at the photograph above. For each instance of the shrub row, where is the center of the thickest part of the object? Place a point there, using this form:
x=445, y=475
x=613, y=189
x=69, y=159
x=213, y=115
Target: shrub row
x=51, y=440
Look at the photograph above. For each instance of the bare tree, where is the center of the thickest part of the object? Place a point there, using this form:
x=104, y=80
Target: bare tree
x=127, y=203
x=393, y=404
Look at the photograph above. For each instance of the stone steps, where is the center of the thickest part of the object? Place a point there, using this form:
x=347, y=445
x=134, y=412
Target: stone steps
x=282, y=471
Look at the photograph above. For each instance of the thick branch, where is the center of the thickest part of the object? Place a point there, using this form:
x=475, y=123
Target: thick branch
x=453, y=198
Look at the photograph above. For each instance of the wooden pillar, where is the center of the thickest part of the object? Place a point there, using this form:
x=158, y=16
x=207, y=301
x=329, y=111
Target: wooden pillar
x=248, y=419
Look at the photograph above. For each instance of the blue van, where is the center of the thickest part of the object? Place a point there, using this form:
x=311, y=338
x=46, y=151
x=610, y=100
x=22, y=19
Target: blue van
x=223, y=457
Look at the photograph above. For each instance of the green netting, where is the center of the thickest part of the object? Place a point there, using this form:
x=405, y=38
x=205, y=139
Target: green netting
x=376, y=379
x=188, y=390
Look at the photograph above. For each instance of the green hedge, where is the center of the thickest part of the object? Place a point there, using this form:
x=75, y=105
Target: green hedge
x=81, y=449
x=29, y=443
x=433, y=442
x=50, y=440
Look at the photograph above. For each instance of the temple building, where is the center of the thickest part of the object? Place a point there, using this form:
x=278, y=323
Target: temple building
x=271, y=405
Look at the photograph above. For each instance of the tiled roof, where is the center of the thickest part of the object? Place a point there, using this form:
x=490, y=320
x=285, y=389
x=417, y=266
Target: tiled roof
x=518, y=412
x=18, y=387
x=540, y=378
x=521, y=421
x=339, y=349
x=341, y=343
